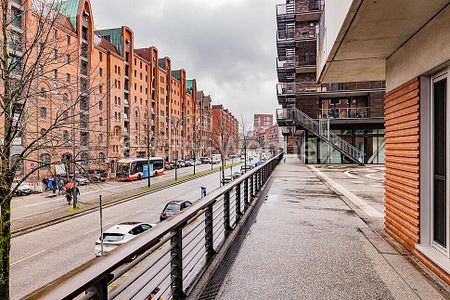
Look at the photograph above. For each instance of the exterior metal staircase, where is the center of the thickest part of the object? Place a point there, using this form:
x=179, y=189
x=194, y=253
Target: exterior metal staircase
x=321, y=129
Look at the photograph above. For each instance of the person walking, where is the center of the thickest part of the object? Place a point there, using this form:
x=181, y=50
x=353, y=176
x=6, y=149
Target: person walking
x=60, y=186
x=45, y=183
x=54, y=185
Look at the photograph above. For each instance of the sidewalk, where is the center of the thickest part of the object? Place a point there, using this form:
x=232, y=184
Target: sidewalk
x=306, y=243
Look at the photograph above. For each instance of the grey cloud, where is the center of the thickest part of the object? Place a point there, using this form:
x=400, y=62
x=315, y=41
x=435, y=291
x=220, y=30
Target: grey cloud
x=227, y=45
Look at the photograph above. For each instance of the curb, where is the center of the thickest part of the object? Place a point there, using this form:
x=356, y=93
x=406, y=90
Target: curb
x=38, y=226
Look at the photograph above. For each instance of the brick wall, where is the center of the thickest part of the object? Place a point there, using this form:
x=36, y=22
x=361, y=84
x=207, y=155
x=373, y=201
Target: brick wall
x=402, y=163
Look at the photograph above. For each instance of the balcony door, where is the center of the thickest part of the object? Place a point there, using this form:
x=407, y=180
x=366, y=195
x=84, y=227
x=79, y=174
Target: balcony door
x=440, y=197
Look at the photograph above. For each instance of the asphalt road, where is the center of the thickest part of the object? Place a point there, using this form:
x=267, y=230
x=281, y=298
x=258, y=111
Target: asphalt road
x=38, y=203
x=41, y=256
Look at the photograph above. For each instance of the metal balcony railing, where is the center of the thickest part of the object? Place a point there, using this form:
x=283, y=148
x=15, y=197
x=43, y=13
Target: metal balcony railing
x=321, y=129
x=286, y=89
x=345, y=113
x=309, y=7
x=287, y=9
x=172, y=255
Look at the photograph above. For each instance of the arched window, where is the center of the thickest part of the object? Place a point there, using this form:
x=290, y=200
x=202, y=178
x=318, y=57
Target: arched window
x=45, y=161
x=84, y=157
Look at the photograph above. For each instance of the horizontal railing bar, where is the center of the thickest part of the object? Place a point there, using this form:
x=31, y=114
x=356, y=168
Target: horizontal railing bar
x=218, y=234
x=219, y=208
x=194, y=265
x=141, y=272
x=199, y=249
x=193, y=239
x=142, y=286
x=195, y=247
x=141, y=257
x=202, y=222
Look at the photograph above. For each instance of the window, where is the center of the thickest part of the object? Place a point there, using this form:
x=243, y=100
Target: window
x=68, y=58
x=45, y=161
x=55, y=54
x=100, y=56
x=68, y=40
x=100, y=121
x=43, y=112
x=101, y=157
x=65, y=136
x=100, y=89
x=115, y=69
x=118, y=70
x=100, y=72
x=65, y=98
x=115, y=115
x=67, y=77
x=100, y=105
x=55, y=73
x=136, y=126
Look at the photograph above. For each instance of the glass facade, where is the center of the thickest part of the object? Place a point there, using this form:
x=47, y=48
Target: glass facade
x=371, y=141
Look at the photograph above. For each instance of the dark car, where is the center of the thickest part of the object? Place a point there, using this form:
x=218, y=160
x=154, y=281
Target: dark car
x=96, y=176
x=227, y=179
x=172, y=208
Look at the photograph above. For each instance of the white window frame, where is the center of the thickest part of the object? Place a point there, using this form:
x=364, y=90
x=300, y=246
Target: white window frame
x=434, y=251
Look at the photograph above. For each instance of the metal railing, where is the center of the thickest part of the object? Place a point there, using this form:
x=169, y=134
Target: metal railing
x=292, y=88
x=172, y=256
x=311, y=6
x=304, y=87
x=321, y=129
x=292, y=34
x=345, y=113
x=286, y=9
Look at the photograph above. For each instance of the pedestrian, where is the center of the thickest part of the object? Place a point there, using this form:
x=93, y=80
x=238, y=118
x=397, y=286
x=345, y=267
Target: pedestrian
x=49, y=184
x=45, y=183
x=69, y=195
x=284, y=160
x=60, y=186
x=76, y=193
x=54, y=185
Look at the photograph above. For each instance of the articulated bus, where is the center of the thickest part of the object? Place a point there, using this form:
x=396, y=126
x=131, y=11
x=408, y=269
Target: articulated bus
x=134, y=169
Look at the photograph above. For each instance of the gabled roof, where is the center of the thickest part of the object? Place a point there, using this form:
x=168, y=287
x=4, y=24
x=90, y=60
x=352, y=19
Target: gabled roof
x=177, y=74
x=101, y=42
x=161, y=63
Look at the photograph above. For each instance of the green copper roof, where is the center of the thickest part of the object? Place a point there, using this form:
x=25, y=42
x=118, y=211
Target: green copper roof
x=189, y=85
x=114, y=36
x=161, y=63
x=69, y=8
x=177, y=74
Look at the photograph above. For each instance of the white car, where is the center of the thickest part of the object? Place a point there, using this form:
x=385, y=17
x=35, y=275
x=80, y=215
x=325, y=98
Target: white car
x=119, y=235
x=23, y=189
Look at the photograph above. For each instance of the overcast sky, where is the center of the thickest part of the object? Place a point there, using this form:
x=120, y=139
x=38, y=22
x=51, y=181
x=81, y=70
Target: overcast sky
x=227, y=45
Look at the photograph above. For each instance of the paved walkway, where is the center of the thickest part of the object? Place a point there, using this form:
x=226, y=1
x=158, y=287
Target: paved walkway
x=307, y=243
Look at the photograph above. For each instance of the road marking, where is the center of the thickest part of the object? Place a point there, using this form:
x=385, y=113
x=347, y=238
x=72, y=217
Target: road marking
x=141, y=210
x=350, y=175
x=374, y=178
x=87, y=232
x=28, y=257
x=363, y=205
x=38, y=203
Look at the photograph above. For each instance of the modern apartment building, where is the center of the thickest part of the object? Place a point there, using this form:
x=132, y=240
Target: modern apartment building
x=129, y=102
x=410, y=49
x=339, y=122
x=225, y=131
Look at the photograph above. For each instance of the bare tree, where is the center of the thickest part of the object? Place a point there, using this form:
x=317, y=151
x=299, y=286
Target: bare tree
x=44, y=101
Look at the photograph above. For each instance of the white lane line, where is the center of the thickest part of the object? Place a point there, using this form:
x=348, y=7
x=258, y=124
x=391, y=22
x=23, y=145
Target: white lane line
x=87, y=232
x=374, y=177
x=141, y=210
x=358, y=182
x=363, y=205
x=28, y=257
x=350, y=175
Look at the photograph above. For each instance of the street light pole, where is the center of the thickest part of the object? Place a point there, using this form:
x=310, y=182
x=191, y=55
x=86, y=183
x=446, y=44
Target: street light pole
x=148, y=152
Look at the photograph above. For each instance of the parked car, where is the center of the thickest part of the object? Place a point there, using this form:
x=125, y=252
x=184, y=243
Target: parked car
x=167, y=166
x=215, y=160
x=96, y=176
x=205, y=160
x=119, y=235
x=244, y=169
x=81, y=180
x=236, y=175
x=227, y=179
x=172, y=208
x=188, y=163
x=23, y=189
x=181, y=163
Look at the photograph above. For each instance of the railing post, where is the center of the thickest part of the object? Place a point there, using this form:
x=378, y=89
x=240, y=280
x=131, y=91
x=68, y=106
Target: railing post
x=246, y=202
x=226, y=213
x=209, y=234
x=252, y=187
x=238, y=202
x=99, y=291
x=177, y=264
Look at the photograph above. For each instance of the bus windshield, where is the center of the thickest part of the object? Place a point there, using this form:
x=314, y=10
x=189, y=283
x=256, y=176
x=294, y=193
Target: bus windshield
x=122, y=169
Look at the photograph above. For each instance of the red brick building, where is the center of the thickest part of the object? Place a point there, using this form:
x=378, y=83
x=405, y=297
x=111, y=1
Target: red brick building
x=225, y=131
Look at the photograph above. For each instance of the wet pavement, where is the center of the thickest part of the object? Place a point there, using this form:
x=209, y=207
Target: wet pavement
x=308, y=243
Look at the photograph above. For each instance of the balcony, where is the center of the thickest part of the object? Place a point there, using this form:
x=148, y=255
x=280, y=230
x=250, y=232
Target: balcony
x=309, y=11
x=345, y=113
x=293, y=88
